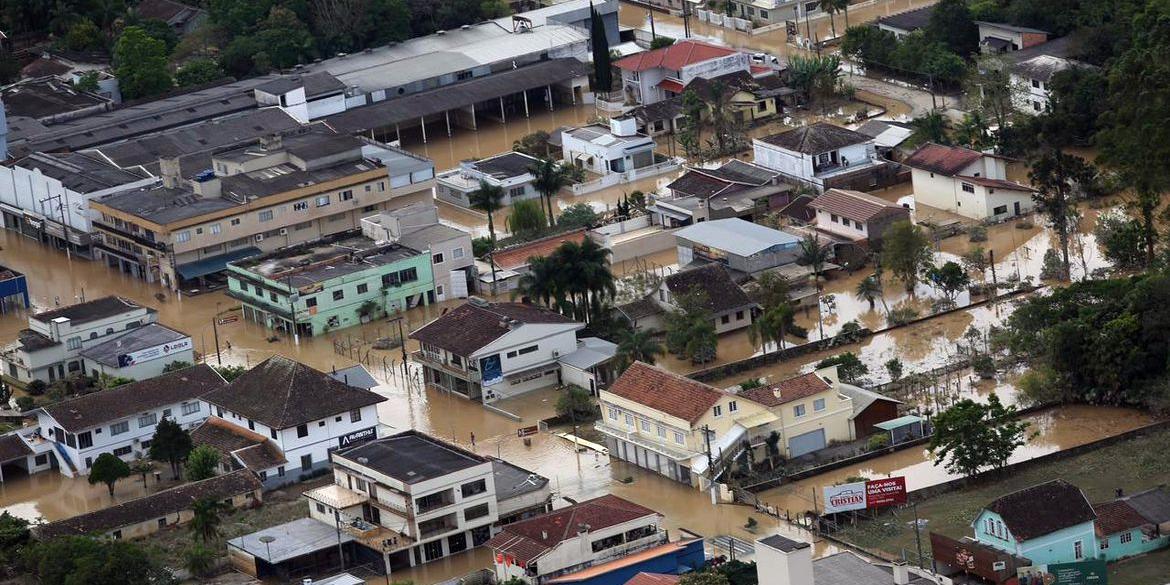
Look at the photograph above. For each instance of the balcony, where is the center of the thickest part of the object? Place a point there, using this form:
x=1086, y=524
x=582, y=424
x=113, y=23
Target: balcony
x=433, y=361
x=438, y=526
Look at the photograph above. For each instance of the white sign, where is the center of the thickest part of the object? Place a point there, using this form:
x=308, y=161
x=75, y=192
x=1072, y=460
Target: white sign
x=845, y=497
x=154, y=353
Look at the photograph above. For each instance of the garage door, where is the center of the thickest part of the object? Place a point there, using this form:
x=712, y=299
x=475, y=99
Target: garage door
x=807, y=443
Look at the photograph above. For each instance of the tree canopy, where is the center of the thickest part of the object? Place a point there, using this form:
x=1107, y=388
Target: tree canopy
x=971, y=436
x=140, y=63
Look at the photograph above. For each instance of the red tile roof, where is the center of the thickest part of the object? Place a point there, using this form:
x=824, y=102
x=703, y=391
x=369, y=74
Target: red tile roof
x=996, y=183
x=586, y=575
x=527, y=540
x=1117, y=516
x=665, y=391
x=674, y=57
x=653, y=579
x=516, y=257
x=671, y=85
x=787, y=390
x=856, y=205
x=945, y=160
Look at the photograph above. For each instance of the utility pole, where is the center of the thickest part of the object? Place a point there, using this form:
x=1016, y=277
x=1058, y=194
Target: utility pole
x=215, y=331
x=707, y=441
x=653, y=35
x=293, y=295
x=401, y=340
x=917, y=535
x=340, y=550
x=686, y=16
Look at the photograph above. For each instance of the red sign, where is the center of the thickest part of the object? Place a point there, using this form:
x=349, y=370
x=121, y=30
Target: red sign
x=527, y=431
x=885, y=492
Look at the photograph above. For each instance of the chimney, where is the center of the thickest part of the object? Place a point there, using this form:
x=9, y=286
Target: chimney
x=271, y=142
x=168, y=167
x=544, y=535
x=901, y=575
x=783, y=561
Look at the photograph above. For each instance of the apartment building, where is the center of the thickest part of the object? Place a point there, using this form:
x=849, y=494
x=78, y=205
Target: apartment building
x=50, y=348
x=278, y=191
x=417, y=226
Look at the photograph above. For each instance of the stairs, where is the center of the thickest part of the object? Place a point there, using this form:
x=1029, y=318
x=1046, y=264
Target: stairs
x=68, y=469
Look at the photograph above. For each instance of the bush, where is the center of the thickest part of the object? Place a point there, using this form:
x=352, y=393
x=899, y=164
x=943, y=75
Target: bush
x=199, y=560
x=984, y=366
x=481, y=246
x=576, y=403
x=578, y=215
x=977, y=234
x=877, y=442
x=902, y=315
x=750, y=383
x=36, y=388
x=25, y=403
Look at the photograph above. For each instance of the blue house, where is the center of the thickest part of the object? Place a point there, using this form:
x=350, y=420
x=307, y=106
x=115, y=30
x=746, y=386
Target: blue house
x=1047, y=523
x=1133, y=525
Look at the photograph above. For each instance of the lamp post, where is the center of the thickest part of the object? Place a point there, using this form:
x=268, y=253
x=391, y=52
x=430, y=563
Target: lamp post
x=267, y=540
x=215, y=332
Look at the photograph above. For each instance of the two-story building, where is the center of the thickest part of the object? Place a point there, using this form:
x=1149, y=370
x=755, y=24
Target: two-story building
x=733, y=189
x=489, y=351
x=967, y=182
x=1133, y=525
x=811, y=412
x=50, y=349
x=580, y=536
x=1031, y=81
x=1048, y=523
x=280, y=191
x=304, y=412
x=822, y=156
x=510, y=171
x=121, y=420
x=856, y=217
x=336, y=282
x=730, y=307
x=998, y=37
x=616, y=148
x=417, y=226
x=653, y=76
x=144, y=352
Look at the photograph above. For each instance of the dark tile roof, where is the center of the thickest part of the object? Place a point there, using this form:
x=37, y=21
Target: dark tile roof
x=909, y=21
x=42, y=66
x=713, y=279
x=470, y=326
x=788, y=390
x=1153, y=504
x=46, y=97
x=783, y=544
x=506, y=165
x=513, y=481
x=102, y=308
x=254, y=450
x=34, y=341
x=944, y=160
x=12, y=447
x=667, y=392
x=1117, y=516
x=816, y=138
x=411, y=457
x=315, y=84
x=857, y=205
x=104, y=406
x=81, y=172
x=698, y=184
x=799, y=209
x=667, y=109
x=1043, y=509
x=157, y=505
x=643, y=307
x=528, y=539
x=743, y=172
x=282, y=393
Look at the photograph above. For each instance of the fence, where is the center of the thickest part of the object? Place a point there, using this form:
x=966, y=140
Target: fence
x=611, y=179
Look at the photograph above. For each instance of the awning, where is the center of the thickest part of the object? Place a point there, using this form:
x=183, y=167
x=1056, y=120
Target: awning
x=671, y=85
x=214, y=264
x=899, y=422
x=758, y=419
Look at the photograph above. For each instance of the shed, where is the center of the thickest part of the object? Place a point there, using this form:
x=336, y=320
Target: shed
x=903, y=428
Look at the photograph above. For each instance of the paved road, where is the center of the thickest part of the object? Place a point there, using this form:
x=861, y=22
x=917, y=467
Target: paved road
x=919, y=100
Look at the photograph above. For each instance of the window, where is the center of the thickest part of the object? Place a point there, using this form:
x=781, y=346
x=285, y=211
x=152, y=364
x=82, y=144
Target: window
x=1036, y=83
x=475, y=512
x=679, y=438
x=968, y=188
x=437, y=258
x=322, y=201
x=190, y=408
x=408, y=275
x=732, y=406
x=301, y=206
x=739, y=315
x=798, y=410
x=725, y=319
x=272, y=432
x=763, y=15
x=355, y=415
x=117, y=534
x=527, y=350
x=84, y=440
x=363, y=288
x=147, y=420
x=629, y=420
x=999, y=210
x=214, y=228
x=473, y=488
x=613, y=413
x=516, y=192
x=1078, y=550
x=306, y=461
x=844, y=222
x=162, y=522
x=311, y=302
x=302, y=431
x=1036, y=105
x=251, y=425
x=265, y=215
x=990, y=527
x=462, y=75
x=1126, y=538
x=272, y=296
x=119, y=428
x=346, y=195
x=183, y=236
x=819, y=404
x=1105, y=544
x=662, y=431
x=198, y=231
x=74, y=343
x=456, y=361
x=338, y=295
x=280, y=471
x=833, y=216
x=457, y=253
x=122, y=451
x=718, y=410
x=645, y=425
x=234, y=221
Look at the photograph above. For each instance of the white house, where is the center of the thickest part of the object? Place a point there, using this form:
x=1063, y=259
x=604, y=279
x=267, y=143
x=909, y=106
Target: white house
x=577, y=537
x=121, y=420
x=1031, y=81
x=305, y=413
x=822, y=155
x=142, y=353
x=510, y=171
x=652, y=76
x=967, y=182
x=856, y=216
x=489, y=351
x=998, y=37
x=304, y=97
x=417, y=226
x=50, y=349
x=617, y=148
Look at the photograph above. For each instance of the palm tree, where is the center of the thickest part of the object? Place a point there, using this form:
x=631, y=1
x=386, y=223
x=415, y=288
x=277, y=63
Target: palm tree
x=489, y=199
x=869, y=289
x=207, y=517
x=540, y=282
x=772, y=326
x=638, y=345
x=833, y=7
x=585, y=276
x=548, y=179
x=814, y=254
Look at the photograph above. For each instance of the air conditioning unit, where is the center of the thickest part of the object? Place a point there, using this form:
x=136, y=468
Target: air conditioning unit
x=999, y=566
x=284, y=231
x=259, y=237
x=556, y=353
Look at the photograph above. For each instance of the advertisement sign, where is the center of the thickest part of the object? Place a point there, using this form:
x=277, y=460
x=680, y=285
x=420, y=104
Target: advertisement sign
x=1083, y=573
x=493, y=372
x=357, y=437
x=527, y=431
x=154, y=353
x=877, y=493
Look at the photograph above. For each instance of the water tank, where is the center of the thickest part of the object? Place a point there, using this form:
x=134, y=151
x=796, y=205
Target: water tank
x=625, y=126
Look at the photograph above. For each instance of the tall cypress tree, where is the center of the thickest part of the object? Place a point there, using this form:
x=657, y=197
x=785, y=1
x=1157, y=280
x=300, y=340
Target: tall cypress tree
x=602, y=68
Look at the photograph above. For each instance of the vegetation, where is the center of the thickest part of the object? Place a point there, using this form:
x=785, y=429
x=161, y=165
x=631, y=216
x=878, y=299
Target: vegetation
x=1060, y=177
x=576, y=404
x=949, y=279
x=170, y=444
x=869, y=289
x=602, y=63
x=971, y=436
x=894, y=368
x=198, y=71
x=526, y=220
x=230, y=373
x=176, y=365
x=488, y=199
x=816, y=78
x=207, y=515
x=850, y=368
x=548, y=179
x=638, y=345
x=140, y=63
x=660, y=42
x=535, y=144
x=905, y=252
x=690, y=328
x=575, y=279
x=199, y=559
x=14, y=535
x=1119, y=237
x=578, y=215
x=202, y=463
x=108, y=469
x=72, y=560
x=772, y=326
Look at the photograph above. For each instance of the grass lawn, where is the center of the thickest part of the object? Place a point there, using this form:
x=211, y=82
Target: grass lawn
x=1151, y=569
x=1133, y=465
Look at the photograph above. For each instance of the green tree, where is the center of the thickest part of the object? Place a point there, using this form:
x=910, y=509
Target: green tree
x=690, y=328
x=73, y=560
x=894, y=368
x=108, y=469
x=202, y=463
x=535, y=144
x=772, y=326
x=140, y=63
x=832, y=8
x=869, y=289
x=850, y=368
x=870, y=45
x=142, y=467
x=199, y=559
x=1119, y=237
x=815, y=77
x=691, y=128
x=526, y=220
x=660, y=42
x=989, y=90
x=931, y=127
x=970, y=436
x=541, y=283
x=488, y=199
x=704, y=577
x=83, y=36
x=230, y=373
x=815, y=254
x=602, y=65
x=905, y=252
x=206, y=518
x=157, y=29
x=638, y=345
x=576, y=404
x=578, y=215
x=170, y=444
x=950, y=279
x=548, y=178
x=14, y=534
x=951, y=24
x=1059, y=177
x=198, y=71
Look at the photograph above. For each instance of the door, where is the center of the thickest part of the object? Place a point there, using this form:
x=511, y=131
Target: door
x=807, y=443
x=1017, y=207
x=458, y=285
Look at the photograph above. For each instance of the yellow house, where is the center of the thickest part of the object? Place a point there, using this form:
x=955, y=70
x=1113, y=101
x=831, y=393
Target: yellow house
x=750, y=99
x=810, y=412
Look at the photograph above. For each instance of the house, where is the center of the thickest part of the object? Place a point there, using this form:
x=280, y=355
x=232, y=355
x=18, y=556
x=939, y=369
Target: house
x=661, y=117
x=181, y=17
x=121, y=420
x=823, y=155
x=784, y=561
x=1133, y=525
x=1047, y=523
x=856, y=217
x=770, y=12
x=503, y=268
x=46, y=196
x=810, y=413
x=904, y=23
x=580, y=536
x=733, y=189
x=50, y=349
x=617, y=148
x=967, y=182
x=142, y=517
x=412, y=499
x=591, y=365
x=305, y=413
x=888, y=137
x=417, y=226
x=240, y=448
x=1034, y=78
x=742, y=246
x=997, y=37
x=279, y=191
x=339, y=281
x=653, y=76
x=490, y=351
x=749, y=99
x=510, y=171
x=143, y=353
x=660, y=565
x=729, y=306
x=869, y=409
x=13, y=290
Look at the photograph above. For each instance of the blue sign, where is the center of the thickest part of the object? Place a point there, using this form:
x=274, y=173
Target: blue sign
x=493, y=372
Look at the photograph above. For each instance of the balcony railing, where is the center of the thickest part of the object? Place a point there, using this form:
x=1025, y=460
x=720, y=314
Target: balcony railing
x=431, y=360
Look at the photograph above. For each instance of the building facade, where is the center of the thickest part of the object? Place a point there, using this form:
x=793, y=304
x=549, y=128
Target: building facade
x=823, y=155
x=417, y=226
x=617, y=148
x=967, y=182
x=510, y=171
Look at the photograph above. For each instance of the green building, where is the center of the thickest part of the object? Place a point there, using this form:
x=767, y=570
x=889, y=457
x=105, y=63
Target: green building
x=335, y=282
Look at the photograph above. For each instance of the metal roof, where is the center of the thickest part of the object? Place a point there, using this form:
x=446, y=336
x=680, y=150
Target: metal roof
x=739, y=237
x=899, y=422
x=144, y=337
x=291, y=540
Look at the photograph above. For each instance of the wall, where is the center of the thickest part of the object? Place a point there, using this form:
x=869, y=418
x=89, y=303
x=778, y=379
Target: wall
x=784, y=161
x=143, y=370
x=28, y=189
x=834, y=419
x=825, y=221
x=148, y=527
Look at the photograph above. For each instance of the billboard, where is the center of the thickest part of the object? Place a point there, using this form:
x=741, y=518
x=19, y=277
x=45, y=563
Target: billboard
x=1083, y=573
x=875, y=493
x=154, y=353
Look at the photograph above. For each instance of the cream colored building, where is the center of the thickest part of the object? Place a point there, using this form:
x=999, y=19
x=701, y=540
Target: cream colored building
x=810, y=412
